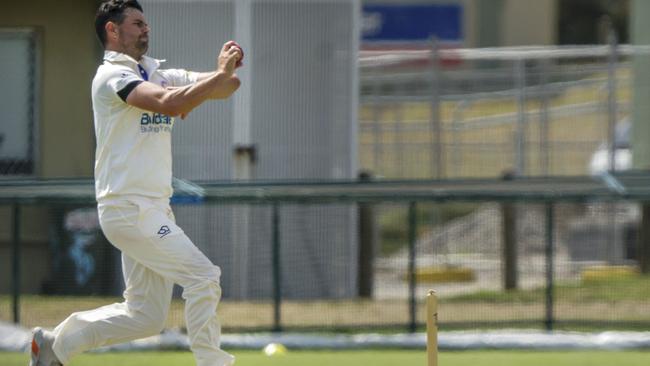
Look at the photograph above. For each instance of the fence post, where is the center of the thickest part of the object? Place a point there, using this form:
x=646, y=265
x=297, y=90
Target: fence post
x=509, y=245
x=437, y=151
x=544, y=145
x=277, y=274
x=398, y=107
x=643, y=245
x=549, y=320
x=412, y=238
x=377, y=133
x=612, y=112
x=457, y=119
x=367, y=244
x=522, y=118
x=16, y=263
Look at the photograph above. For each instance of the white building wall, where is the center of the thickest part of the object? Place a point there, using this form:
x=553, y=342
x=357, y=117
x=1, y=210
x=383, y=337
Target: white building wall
x=297, y=109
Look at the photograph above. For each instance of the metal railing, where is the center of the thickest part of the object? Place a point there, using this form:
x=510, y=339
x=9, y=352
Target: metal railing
x=417, y=232
x=454, y=113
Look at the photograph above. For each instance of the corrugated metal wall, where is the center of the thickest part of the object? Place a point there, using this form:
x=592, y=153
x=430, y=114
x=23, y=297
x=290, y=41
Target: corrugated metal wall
x=297, y=107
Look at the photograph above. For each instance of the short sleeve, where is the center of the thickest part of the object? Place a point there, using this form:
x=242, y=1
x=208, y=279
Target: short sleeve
x=179, y=77
x=120, y=78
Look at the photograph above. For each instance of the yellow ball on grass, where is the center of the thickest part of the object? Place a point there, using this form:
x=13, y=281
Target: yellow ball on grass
x=275, y=349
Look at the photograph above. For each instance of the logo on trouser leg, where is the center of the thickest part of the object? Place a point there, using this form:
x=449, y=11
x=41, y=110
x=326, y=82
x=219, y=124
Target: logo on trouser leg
x=164, y=230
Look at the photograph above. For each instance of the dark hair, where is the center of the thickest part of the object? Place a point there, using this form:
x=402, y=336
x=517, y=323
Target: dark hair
x=112, y=11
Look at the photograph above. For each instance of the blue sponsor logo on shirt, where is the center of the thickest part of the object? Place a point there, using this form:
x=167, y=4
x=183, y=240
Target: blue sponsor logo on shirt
x=155, y=118
x=155, y=122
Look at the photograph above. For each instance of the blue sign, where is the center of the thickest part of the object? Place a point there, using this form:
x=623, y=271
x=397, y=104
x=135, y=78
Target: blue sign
x=412, y=23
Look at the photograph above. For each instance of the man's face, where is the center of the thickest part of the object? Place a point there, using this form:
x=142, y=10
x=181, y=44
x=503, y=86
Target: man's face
x=133, y=34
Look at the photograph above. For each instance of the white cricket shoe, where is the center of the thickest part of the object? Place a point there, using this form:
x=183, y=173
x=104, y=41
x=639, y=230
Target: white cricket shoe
x=42, y=353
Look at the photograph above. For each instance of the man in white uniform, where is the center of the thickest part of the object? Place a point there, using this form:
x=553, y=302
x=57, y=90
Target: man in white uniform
x=134, y=103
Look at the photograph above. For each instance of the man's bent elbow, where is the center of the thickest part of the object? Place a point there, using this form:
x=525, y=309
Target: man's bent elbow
x=228, y=89
x=172, y=106
x=172, y=111
x=236, y=83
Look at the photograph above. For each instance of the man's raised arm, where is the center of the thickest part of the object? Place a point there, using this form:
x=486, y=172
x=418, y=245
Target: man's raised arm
x=229, y=87
x=175, y=101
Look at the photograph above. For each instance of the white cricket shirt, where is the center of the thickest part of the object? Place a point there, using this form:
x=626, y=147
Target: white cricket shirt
x=133, y=155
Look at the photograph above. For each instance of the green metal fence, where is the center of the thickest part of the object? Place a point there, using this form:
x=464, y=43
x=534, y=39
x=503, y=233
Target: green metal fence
x=578, y=259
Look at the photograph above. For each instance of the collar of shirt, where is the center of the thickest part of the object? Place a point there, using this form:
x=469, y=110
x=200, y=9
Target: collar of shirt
x=150, y=64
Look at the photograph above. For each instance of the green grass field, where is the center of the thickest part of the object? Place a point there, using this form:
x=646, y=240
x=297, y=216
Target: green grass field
x=366, y=357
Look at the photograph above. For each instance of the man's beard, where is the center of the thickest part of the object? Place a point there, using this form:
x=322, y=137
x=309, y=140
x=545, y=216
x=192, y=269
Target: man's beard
x=136, y=49
x=142, y=46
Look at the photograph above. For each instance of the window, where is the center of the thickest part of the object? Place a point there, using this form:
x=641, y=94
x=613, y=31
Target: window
x=18, y=101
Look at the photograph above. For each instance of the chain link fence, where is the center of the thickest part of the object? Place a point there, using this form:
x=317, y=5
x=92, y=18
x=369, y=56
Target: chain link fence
x=504, y=262
x=530, y=111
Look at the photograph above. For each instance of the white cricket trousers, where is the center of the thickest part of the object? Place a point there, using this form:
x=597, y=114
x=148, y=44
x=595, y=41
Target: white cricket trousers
x=156, y=253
